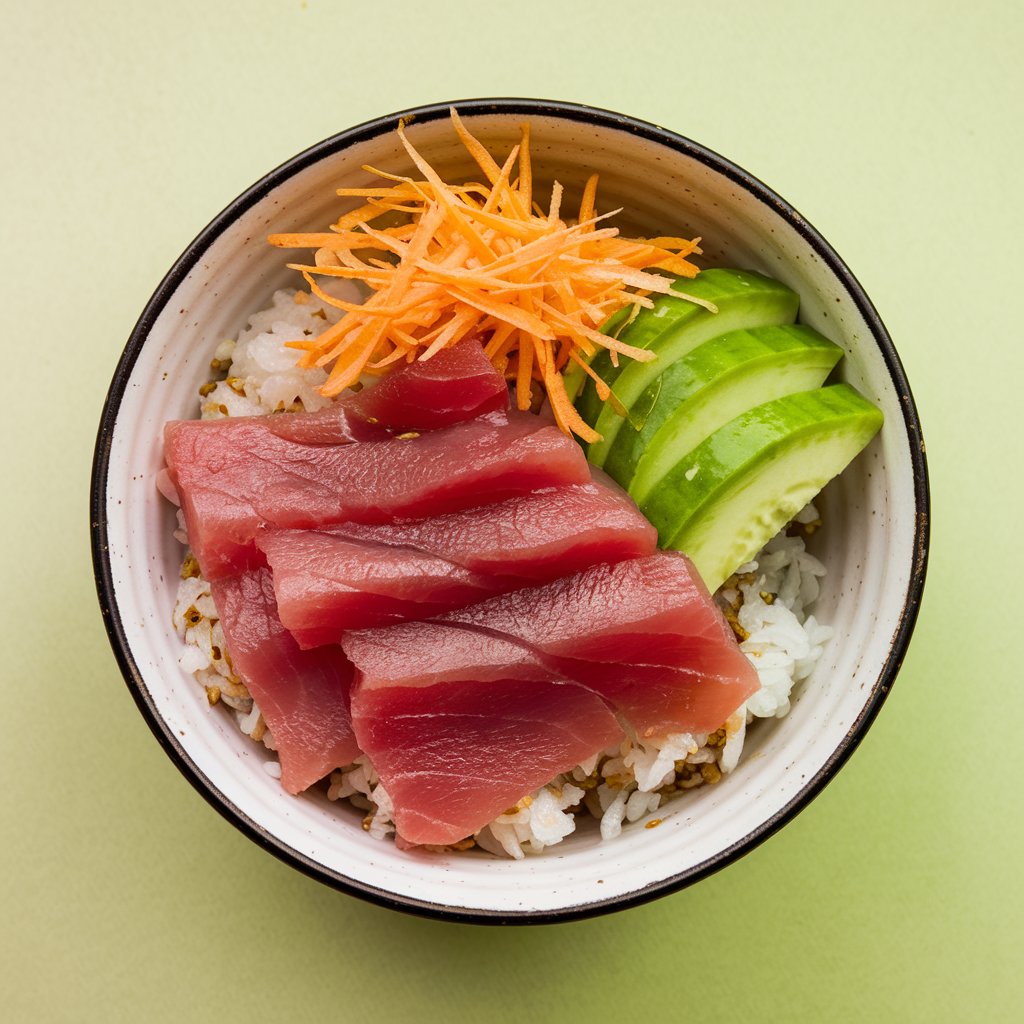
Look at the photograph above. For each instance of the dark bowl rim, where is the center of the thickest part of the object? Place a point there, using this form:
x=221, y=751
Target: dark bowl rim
x=528, y=108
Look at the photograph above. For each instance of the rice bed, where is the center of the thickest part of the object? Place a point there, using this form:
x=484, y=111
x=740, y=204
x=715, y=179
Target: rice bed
x=767, y=602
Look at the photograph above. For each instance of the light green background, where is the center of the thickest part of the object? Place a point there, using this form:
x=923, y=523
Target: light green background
x=895, y=128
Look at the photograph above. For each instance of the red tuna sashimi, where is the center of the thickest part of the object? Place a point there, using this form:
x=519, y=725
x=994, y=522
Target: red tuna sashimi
x=356, y=576
x=326, y=584
x=337, y=424
x=538, y=536
x=454, y=385
x=644, y=634
x=654, y=699
x=230, y=485
x=648, y=611
x=303, y=695
x=443, y=653
x=452, y=757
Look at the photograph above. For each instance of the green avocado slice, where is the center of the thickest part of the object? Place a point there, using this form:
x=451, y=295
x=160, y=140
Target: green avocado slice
x=742, y=484
x=674, y=327
x=705, y=389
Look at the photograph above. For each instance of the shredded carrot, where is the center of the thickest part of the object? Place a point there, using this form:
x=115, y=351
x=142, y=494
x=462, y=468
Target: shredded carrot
x=486, y=259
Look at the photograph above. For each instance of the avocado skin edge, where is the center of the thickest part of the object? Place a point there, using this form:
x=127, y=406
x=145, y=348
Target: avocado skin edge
x=667, y=313
x=774, y=360
x=750, y=445
x=744, y=299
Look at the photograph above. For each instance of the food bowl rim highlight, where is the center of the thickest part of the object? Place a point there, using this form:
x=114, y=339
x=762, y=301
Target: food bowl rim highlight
x=373, y=129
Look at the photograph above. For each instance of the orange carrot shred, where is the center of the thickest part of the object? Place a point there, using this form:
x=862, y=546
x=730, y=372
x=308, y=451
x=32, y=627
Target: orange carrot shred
x=486, y=259
x=589, y=198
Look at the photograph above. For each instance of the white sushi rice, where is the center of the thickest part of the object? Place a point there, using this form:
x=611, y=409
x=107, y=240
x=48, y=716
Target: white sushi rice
x=767, y=601
x=263, y=376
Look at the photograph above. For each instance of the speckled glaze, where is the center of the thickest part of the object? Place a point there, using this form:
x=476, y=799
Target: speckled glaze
x=874, y=544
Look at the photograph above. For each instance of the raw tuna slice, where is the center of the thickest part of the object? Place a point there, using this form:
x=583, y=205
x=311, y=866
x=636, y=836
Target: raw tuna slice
x=355, y=576
x=454, y=756
x=538, y=536
x=643, y=634
x=231, y=484
x=454, y=385
x=337, y=424
x=443, y=653
x=326, y=584
x=304, y=695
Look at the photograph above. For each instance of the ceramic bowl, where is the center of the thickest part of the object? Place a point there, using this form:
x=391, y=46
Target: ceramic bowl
x=874, y=544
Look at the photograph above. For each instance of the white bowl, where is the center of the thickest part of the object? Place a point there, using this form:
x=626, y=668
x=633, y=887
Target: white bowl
x=874, y=543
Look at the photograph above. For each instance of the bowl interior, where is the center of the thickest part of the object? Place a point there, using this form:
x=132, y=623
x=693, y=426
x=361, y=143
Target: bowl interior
x=868, y=543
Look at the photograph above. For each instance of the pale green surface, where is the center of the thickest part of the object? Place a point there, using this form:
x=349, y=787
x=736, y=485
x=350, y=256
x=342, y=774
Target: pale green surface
x=896, y=130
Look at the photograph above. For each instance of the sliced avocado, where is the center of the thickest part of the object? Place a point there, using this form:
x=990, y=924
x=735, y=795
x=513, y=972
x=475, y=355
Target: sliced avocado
x=674, y=327
x=742, y=484
x=708, y=387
